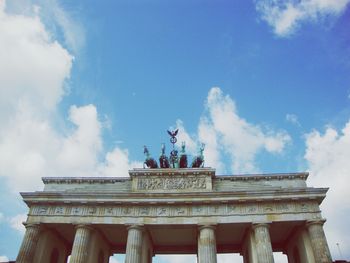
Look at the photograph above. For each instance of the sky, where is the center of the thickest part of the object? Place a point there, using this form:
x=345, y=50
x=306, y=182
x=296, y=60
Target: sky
x=264, y=84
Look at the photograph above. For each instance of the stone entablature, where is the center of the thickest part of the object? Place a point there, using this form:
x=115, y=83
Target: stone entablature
x=186, y=180
x=169, y=194
x=172, y=214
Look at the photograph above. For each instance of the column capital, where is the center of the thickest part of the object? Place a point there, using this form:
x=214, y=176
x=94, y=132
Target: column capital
x=32, y=225
x=86, y=226
x=261, y=224
x=205, y=226
x=140, y=227
x=315, y=222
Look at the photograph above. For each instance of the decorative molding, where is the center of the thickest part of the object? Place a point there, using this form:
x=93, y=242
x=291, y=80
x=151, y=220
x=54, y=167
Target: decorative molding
x=174, y=210
x=266, y=177
x=173, y=172
x=84, y=180
x=174, y=183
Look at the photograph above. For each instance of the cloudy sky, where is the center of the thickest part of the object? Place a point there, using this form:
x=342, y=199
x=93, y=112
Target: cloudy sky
x=264, y=84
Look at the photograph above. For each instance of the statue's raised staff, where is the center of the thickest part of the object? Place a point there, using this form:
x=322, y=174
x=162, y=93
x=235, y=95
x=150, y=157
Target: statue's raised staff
x=163, y=159
x=174, y=159
x=198, y=160
x=183, y=156
x=149, y=161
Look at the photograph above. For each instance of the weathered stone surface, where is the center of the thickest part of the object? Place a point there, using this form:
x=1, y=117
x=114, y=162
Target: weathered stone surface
x=263, y=243
x=134, y=244
x=175, y=183
x=164, y=208
x=318, y=241
x=80, y=250
x=29, y=243
x=207, y=244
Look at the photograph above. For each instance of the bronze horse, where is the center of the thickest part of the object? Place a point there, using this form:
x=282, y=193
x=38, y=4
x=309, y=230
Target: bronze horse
x=198, y=160
x=149, y=161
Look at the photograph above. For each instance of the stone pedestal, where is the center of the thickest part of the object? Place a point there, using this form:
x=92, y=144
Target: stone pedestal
x=263, y=243
x=207, y=244
x=29, y=243
x=80, y=248
x=134, y=244
x=318, y=241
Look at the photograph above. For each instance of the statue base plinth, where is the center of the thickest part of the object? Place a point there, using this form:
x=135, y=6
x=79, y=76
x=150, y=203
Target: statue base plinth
x=172, y=180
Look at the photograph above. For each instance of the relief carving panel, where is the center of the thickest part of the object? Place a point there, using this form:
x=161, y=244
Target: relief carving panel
x=173, y=210
x=172, y=183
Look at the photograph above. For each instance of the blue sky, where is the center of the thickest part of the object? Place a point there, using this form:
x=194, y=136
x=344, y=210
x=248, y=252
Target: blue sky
x=84, y=85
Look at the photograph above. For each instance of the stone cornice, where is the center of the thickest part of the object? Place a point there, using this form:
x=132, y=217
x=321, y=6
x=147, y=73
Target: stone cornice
x=189, y=171
x=277, y=194
x=84, y=180
x=181, y=171
x=266, y=177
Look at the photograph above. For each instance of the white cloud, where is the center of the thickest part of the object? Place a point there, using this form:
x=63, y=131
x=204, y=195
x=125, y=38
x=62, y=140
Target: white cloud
x=16, y=222
x=230, y=258
x=177, y=258
x=34, y=70
x=4, y=259
x=222, y=258
x=79, y=151
x=113, y=260
x=328, y=158
x=208, y=136
x=285, y=16
x=73, y=32
x=239, y=138
x=223, y=131
x=33, y=66
x=183, y=136
x=60, y=22
x=279, y=257
x=293, y=119
x=117, y=164
x=31, y=148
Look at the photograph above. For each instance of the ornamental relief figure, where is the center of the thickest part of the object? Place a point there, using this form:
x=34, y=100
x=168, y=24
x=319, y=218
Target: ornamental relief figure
x=43, y=210
x=148, y=210
x=59, y=210
x=175, y=183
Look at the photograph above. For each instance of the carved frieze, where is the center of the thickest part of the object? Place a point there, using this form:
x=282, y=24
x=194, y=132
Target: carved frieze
x=173, y=183
x=174, y=210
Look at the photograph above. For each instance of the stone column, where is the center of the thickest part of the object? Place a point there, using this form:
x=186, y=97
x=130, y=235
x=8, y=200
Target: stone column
x=27, y=251
x=319, y=241
x=80, y=248
x=207, y=244
x=134, y=244
x=263, y=243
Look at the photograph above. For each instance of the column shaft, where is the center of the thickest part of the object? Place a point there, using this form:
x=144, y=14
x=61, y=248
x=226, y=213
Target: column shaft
x=319, y=241
x=207, y=245
x=27, y=251
x=134, y=244
x=80, y=248
x=263, y=243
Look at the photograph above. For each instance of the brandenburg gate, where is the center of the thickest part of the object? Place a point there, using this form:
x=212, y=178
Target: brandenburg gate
x=174, y=211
